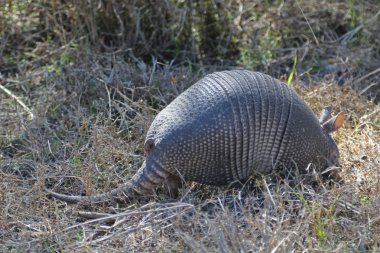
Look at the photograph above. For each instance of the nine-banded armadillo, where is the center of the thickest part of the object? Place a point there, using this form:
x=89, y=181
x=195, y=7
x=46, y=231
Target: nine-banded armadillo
x=227, y=127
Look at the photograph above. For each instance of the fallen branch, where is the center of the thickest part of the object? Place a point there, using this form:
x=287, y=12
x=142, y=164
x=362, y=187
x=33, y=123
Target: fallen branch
x=9, y=93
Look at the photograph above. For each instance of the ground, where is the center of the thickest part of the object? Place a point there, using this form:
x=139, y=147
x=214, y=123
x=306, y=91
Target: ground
x=75, y=104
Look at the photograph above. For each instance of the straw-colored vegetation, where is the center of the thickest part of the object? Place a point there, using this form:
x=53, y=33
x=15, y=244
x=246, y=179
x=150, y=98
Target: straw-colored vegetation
x=80, y=82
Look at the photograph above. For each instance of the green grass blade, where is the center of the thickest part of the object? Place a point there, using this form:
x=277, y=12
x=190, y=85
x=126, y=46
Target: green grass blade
x=290, y=78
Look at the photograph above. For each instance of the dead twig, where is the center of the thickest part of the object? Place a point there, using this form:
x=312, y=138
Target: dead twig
x=358, y=80
x=308, y=24
x=18, y=100
x=368, y=75
x=108, y=217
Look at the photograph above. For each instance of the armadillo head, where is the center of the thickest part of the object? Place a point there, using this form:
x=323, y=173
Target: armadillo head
x=331, y=124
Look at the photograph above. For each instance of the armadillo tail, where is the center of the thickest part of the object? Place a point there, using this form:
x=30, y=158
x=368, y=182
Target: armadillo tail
x=144, y=181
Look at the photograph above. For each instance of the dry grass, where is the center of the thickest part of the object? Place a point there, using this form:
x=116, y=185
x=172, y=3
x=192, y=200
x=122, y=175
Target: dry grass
x=92, y=106
x=79, y=148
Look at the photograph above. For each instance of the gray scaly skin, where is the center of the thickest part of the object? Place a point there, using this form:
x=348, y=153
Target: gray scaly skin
x=227, y=127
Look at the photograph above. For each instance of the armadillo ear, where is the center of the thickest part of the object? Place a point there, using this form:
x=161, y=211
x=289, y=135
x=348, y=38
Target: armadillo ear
x=334, y=123
x=325, y=115
x=148, y=145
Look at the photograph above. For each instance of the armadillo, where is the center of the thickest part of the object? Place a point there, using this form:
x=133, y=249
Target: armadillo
x=227, y=127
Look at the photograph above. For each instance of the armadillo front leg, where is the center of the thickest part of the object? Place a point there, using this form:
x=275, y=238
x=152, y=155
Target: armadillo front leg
x=172, y=184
